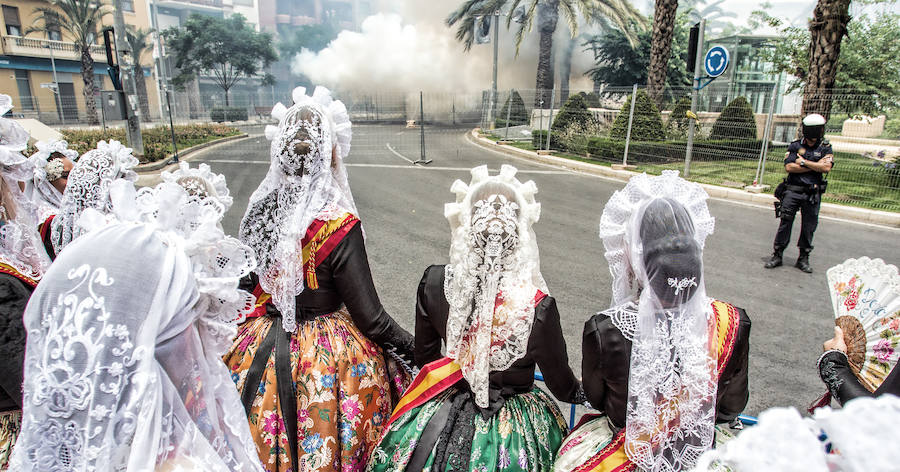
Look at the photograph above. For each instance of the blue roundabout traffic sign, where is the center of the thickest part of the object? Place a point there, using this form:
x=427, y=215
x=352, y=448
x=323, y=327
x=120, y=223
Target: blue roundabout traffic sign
x=716, y=61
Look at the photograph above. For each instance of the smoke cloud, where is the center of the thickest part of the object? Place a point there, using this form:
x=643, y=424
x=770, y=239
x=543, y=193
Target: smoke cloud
x=410, y=48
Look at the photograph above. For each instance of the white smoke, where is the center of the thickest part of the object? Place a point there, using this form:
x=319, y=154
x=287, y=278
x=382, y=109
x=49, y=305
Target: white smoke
x=413, y=49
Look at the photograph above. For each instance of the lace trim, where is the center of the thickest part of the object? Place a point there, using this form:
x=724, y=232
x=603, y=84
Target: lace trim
x=828, y=372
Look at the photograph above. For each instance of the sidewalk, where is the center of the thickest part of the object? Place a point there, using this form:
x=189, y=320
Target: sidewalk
x=861, y=215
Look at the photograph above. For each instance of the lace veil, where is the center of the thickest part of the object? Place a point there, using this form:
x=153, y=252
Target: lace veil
x=493, y=275
x=653, y=231
x=20, y=245
x=125, y=338
x=46, y=198
x=88, y=187
x=306, y=181
x=200, y=181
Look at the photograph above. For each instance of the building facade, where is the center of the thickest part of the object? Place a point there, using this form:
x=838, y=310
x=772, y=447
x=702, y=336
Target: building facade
x=31, y=63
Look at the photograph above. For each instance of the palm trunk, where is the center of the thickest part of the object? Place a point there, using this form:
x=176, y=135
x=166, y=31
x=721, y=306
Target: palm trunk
x=87, y=76
x=141, y=84
x=548, y=15
x=827, y=29
x=661, y=48
x=565, y=69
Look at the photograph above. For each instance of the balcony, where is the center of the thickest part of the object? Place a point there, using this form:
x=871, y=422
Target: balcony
x=195, y=5
x=36, y=47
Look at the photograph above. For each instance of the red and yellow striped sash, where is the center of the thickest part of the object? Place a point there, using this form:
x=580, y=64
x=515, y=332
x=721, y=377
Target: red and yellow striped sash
x=433, y=379
x=10, y=270
x=320, y=240
x=612, y=457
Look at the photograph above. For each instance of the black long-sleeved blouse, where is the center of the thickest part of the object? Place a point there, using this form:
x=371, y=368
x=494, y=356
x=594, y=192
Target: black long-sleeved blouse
x=835, y=371
x=607, y=358
x=546, y=346
x=344, y=278
x=14, y=295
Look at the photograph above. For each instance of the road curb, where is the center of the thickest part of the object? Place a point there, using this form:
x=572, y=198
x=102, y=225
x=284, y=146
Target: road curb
x=185, y=154
x=862, y=215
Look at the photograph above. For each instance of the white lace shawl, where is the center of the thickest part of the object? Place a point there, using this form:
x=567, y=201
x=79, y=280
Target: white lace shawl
x=125, y=338
x=45, y=197
x=20, y=245
x=862, y=435
x=88, y=187
x=493, y=257
x=672, y=377
x=285, y=203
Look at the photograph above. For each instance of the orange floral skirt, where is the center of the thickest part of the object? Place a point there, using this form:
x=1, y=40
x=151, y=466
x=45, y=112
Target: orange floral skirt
x=343, y=389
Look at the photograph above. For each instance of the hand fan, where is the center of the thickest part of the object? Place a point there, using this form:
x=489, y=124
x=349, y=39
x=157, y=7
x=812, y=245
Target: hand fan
x=865, y=295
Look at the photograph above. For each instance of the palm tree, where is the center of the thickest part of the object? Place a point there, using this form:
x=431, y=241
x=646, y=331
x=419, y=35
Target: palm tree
x=661, y=47
x=137, y=39
x=80, y=19
x=827, y=28
x=546, y=12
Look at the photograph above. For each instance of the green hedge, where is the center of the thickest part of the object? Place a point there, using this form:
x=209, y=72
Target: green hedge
x=228, y=114
x=735, y=121
x=612, y=150
x=157, y=140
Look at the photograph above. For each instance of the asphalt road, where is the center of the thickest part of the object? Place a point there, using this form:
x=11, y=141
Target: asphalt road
x=401, y=207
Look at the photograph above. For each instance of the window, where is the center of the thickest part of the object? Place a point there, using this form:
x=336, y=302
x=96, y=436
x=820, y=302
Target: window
x=13, y=25
x=24, y=86
x=53, y=33
x=246, y=3
x=128, y=5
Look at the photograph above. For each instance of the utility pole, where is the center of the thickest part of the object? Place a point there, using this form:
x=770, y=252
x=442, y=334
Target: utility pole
x=162, y=78
x=126, y=60
x=62, y=116
x=496, y=28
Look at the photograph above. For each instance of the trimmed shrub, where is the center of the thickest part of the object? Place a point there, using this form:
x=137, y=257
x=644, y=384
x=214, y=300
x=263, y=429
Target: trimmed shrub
x=157, y=140
x=677, y=126
x=518, y=115
x=539, y=139
x=647, y=124
x=228, y=114
x=574, y=113
x=735, y=122
x=591, y=99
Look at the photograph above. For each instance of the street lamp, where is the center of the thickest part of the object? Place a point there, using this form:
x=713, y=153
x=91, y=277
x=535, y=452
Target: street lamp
x=62, y=115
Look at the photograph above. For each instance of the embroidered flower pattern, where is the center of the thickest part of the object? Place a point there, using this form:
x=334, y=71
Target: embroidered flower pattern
x=682, y=284
x=883, y=350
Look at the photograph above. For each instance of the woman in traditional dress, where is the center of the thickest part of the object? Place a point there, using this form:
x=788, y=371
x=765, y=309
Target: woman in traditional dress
x=87, y=187
x=311, y=365
x=21, y=266
x=125, y=337
x=52, y=163
x=665, y=363
x=478, y=409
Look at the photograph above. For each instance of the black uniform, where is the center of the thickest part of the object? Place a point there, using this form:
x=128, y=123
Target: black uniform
x=803, y=192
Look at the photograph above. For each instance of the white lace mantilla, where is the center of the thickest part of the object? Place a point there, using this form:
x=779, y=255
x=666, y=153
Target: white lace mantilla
x=306, y=181
x=493, y=275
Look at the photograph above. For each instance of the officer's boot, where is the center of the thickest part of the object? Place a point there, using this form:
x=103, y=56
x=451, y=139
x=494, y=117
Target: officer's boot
x=803, y=261
x=775, y=260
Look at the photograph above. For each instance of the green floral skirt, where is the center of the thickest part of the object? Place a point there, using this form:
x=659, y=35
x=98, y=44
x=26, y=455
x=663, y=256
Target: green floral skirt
x=523, y=435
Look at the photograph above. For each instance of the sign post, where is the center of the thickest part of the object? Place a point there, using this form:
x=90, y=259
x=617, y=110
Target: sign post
x=714, y=63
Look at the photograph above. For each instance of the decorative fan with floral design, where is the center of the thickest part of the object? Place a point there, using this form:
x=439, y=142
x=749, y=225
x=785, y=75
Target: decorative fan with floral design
x=865, y=294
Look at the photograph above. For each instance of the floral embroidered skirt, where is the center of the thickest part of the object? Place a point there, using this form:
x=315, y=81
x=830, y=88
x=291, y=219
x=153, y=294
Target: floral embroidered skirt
x=10, y=423
x=591, y=436
x=343, y=394
x=522, y=436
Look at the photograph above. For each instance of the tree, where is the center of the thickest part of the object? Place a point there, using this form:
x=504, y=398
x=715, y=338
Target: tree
x=312, y=37
x=80, y=19
x=864, y=88
x=546, y=12
x=618, y=63
x=137, y=39
x=228, y=49
x=661, y=47
x=827, y=28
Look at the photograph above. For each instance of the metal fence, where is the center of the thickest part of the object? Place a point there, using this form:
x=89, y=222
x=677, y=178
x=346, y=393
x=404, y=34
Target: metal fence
x=736, y=149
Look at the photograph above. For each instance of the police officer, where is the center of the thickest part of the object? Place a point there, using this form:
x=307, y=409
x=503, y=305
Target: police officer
x=806, y=162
